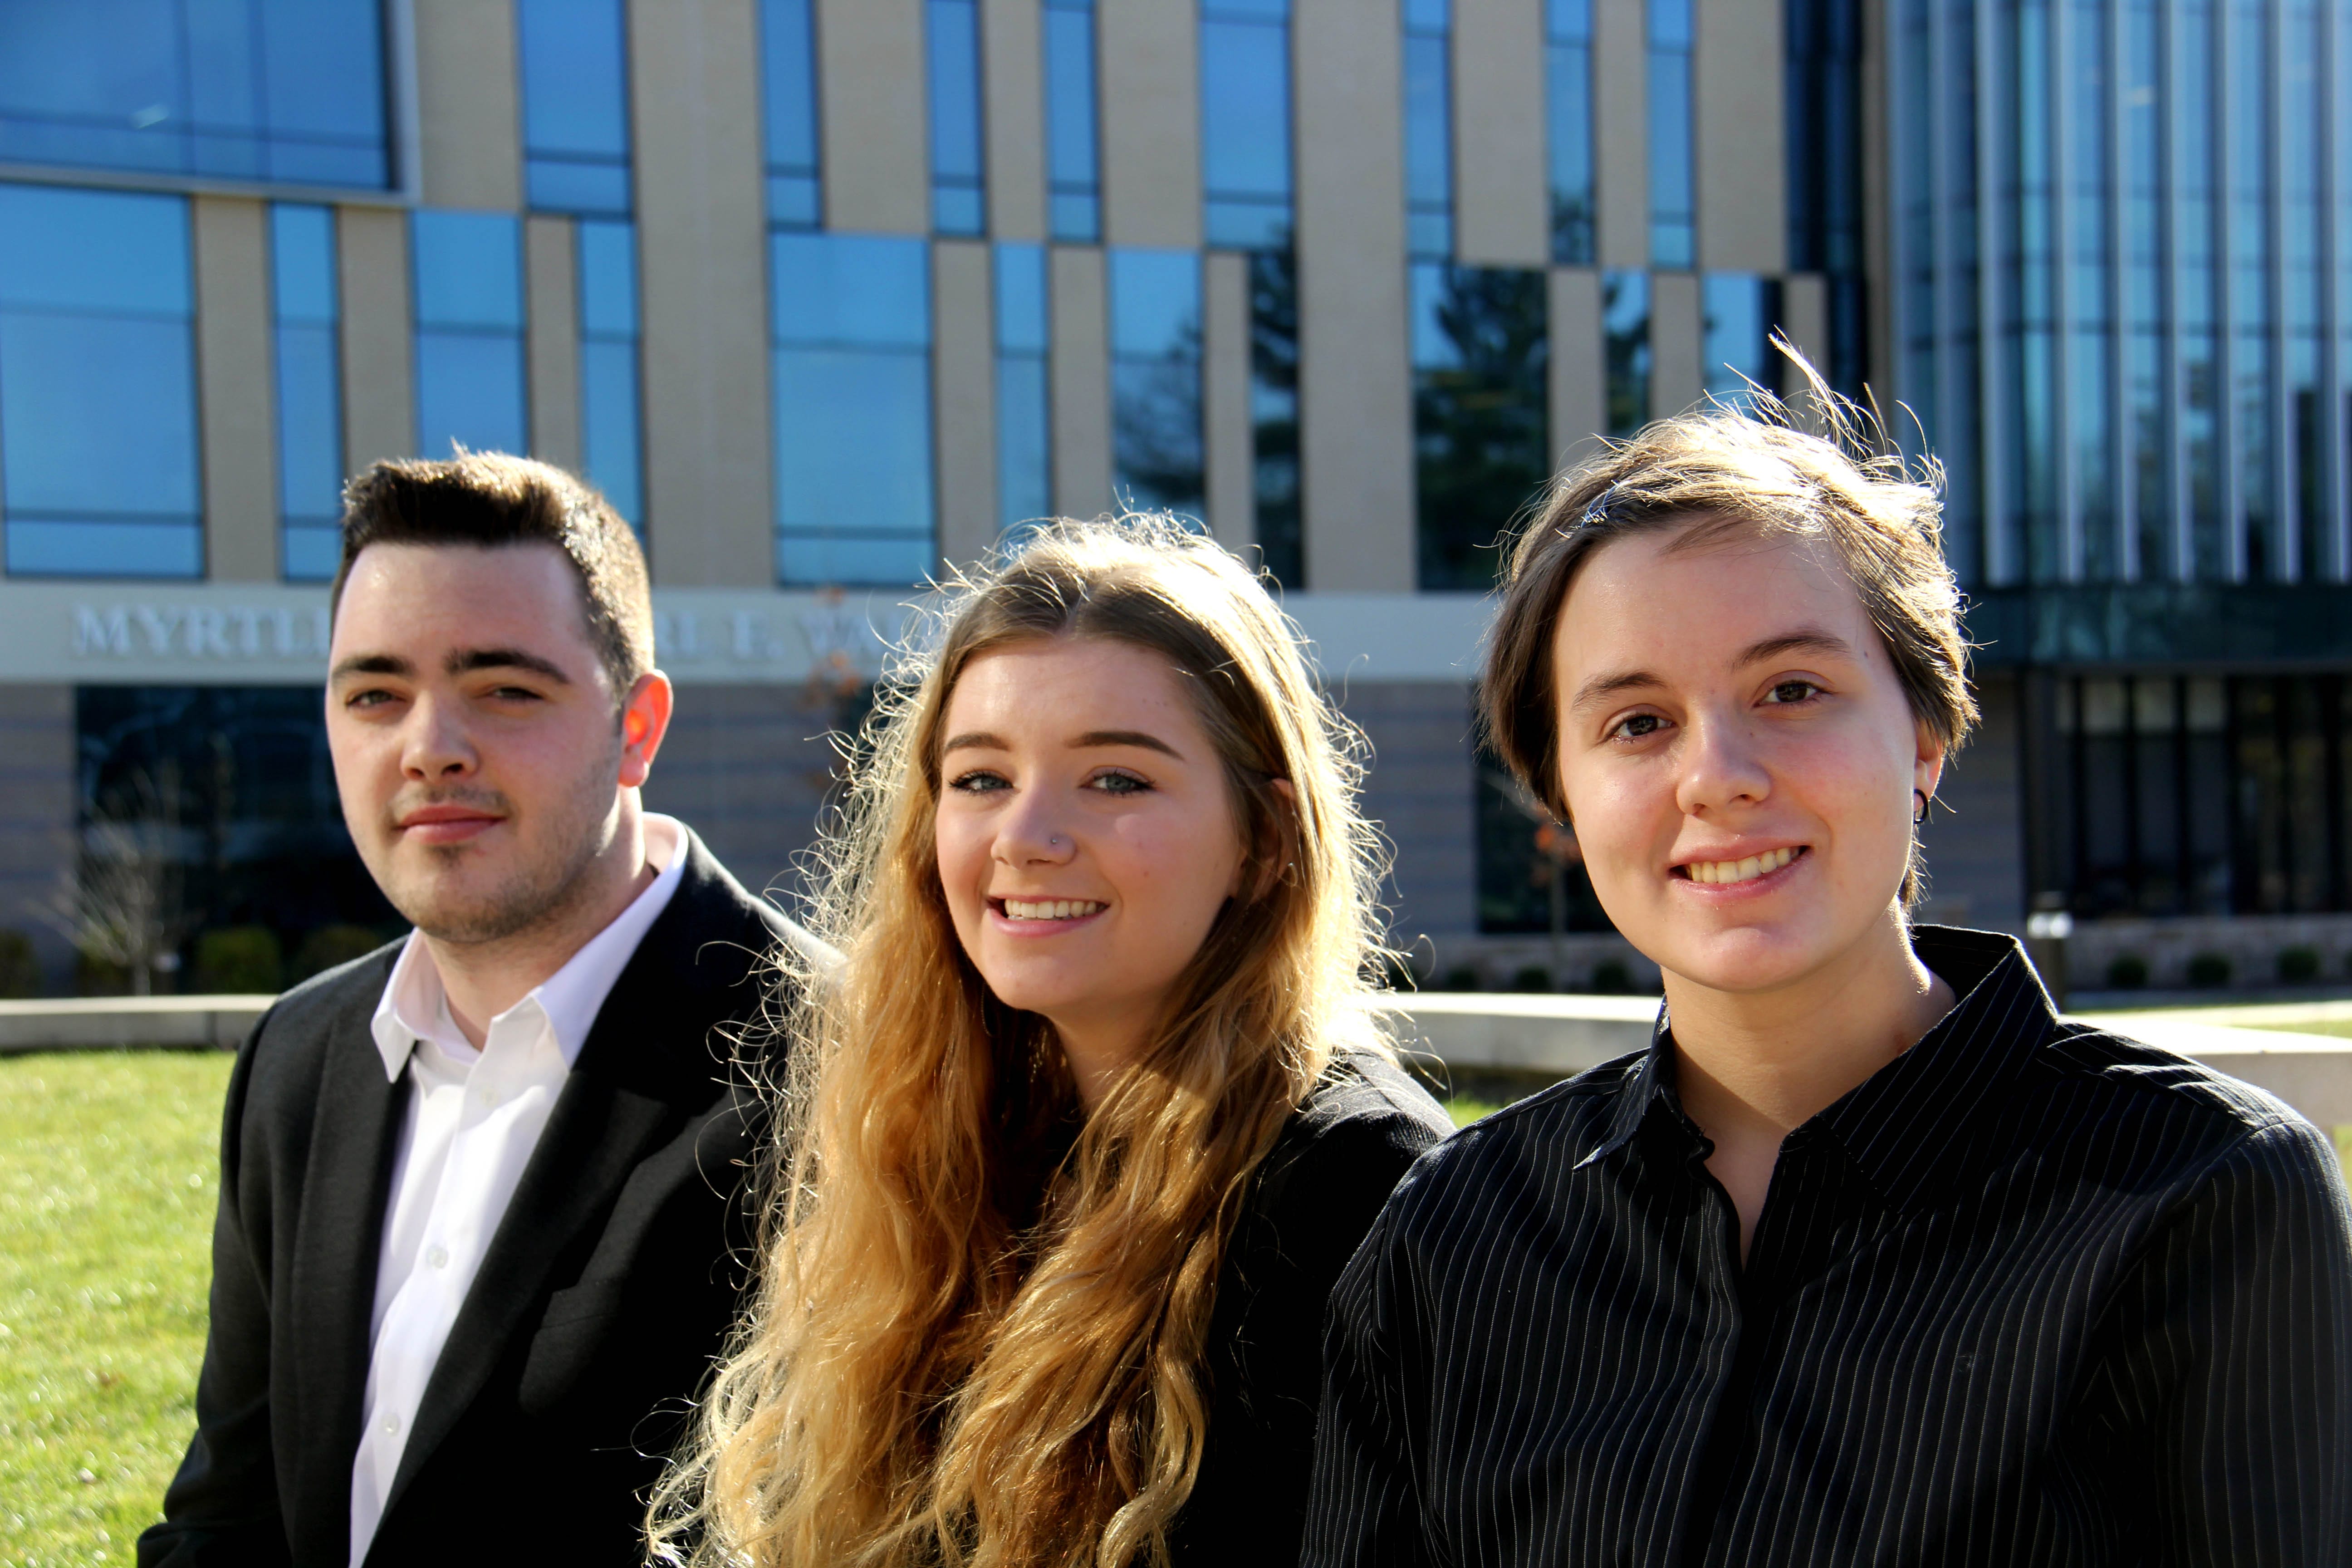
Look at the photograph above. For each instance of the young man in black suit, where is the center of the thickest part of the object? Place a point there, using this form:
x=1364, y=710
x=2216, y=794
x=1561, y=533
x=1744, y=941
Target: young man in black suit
x=481, y=1200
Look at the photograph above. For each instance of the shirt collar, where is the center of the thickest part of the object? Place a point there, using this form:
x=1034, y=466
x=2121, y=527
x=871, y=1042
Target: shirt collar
x=414, y=1003
x=1902, y=1124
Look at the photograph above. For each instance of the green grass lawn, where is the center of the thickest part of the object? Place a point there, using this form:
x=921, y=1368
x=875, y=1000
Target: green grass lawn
x=107, y=1175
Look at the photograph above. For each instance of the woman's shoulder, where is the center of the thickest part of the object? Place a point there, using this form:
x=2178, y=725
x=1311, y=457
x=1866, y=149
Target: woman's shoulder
x=1368, y=1096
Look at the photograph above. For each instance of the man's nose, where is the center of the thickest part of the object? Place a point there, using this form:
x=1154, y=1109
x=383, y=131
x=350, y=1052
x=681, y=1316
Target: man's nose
x=435, y=745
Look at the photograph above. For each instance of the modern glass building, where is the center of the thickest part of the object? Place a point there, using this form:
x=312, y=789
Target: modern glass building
x=831, y=295
x=2120, y=243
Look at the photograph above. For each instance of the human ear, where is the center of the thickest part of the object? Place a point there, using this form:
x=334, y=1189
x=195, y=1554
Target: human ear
x=1275, y=857
x=1927, y=764
x=645, y=722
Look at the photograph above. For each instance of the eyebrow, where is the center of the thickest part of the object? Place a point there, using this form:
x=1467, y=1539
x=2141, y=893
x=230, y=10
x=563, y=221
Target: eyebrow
x=463, y=661
x=1805, y=639
x=984, y=740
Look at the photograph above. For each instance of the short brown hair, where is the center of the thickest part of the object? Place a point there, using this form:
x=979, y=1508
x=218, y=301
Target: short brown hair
x=1716, y=471
x=488, y=499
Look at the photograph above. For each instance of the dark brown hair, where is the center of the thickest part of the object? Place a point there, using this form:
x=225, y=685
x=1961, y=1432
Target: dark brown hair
x=489, y=501
x=1714, y=473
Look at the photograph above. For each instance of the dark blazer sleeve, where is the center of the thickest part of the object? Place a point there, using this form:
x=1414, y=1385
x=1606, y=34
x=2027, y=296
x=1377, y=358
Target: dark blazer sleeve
x=1319, y=1192
x=1363, y=1506
x=223, y=1506
x=2225, y=1384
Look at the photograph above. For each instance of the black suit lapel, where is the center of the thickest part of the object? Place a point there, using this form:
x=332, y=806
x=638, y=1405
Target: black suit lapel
x=649, y=1061
x=345, y=1189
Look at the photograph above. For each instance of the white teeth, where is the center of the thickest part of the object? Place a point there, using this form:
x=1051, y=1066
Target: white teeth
x=1753, y=866
x=1050, y=909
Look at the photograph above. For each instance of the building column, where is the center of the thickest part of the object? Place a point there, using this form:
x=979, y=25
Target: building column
x=551, y=274
x=235, y=373
x=1079, y=373
x=702, y=266
x=1502, y=188
x=469, y=104
x=1621, y=131
x=1676, y=334
x=1227, y=433
x=1011, y=43
x=1579, y=367
x=875, y=138
x=963, y=397
x=1742, y=152
x=379, y=338
x=1355, y=368
x=1150, y=118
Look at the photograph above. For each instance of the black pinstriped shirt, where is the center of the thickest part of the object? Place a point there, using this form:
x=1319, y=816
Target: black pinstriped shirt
x=2031, y=1294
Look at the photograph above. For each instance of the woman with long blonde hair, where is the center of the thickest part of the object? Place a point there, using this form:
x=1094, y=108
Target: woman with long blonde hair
x=1093, y=1110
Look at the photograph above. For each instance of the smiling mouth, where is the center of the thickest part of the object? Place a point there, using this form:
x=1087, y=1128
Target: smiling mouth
x=1046, y=909
x=1716, y=873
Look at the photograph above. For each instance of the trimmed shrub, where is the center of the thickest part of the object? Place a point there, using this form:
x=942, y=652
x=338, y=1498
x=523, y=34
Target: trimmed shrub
x=2208, y=972
x=239, y=960
x=329, y=946
x=2126, y=972
x=20, y=966
x=1532, y=977
x=1462, y=977
x=2298, y=965
x=1612, y=977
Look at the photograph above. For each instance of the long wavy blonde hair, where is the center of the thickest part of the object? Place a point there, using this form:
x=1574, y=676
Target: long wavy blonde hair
x=978, y=1330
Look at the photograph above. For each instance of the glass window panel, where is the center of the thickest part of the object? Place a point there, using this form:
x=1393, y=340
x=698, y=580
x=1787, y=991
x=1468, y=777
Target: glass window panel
x=609, y=399
x=1482, y=350
x=852, y=367
x=234, y=88
x=1245, y=128
x=309, y=388
x=1673, y=185
x=1625, y=340
x=98, y=420
x=1742, y=309
x=468, y=269
x=788, y=79
x=1074, y=179
x=311, y=553
x=867, y=290
x=575, y=85
x=1023, y=397
x=1155, y=350
x=469, y=393
x=559, y=184
x=957, y=182
x=1428, y=135
x=1273, y=415
x=1568, y=65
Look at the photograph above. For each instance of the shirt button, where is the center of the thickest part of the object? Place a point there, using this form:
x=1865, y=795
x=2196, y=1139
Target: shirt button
x=438, y=1255
x=391, y=1426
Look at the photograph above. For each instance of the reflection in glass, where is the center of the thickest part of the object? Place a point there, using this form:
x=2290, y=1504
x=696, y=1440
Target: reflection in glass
x=609, y=425
x=1481, y=354
x=2145, y=403
x=97, y=407
x=788, y=101
x=2090, y=321
x=469, y=347
x=1024, y=422
x=2028, y=506
x=309, y=391
x=1742, y=311
x=1827, y=135
x=1155, y=378
x=2253, y=453
x=1625, y=347
x=575, y=105
x=2197, y=286
x=1273, y=414
x=2303, y=130
x=1674, y=184
x=958, y=186
x=1073, y=160
x=1245, y=121
x=1428, y=130
x=235, y=89
x=853, y=395
x=1568, y=70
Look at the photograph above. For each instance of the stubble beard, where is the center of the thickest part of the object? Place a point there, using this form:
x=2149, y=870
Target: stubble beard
x=547, y=880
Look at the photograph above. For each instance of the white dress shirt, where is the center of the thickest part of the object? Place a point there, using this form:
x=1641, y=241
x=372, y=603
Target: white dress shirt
x=472, y=1120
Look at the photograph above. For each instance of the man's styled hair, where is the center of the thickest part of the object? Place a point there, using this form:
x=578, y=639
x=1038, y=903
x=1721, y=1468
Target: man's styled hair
x=489, y=500
x=1714, y=474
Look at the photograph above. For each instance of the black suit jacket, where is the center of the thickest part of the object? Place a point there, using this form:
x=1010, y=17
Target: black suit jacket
x=607, y=1289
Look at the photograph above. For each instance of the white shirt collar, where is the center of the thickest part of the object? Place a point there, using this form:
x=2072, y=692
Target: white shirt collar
x=415, y=1007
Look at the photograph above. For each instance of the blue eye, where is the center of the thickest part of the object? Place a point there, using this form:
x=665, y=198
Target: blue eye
x=980, y=781
x=1117, y=784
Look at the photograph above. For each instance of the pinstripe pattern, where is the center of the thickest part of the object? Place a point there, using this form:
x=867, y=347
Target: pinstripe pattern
x=2031, y=1294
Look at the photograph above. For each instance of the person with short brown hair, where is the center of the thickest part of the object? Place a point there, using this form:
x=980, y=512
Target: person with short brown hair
x=1870, y=1257
x=479, y=1208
